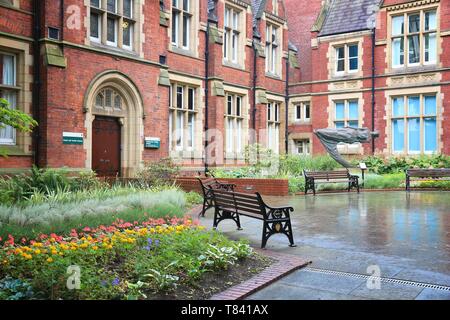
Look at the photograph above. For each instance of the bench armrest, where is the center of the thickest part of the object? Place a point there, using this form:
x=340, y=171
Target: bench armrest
x=279, y=212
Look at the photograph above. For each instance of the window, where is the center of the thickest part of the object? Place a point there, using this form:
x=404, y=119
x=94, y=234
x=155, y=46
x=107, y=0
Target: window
x=414, y=33
x=181, y=23
x=231, y=34
x=272, y=43
x=346, y=114
x=273, y=126
x=414, y=126
x=182, y=117
x=118, y=17
x=347, y=59
x=275, y=7
x=234, y=124
x=8, y=91
x=302, y=147
x=303, y=112
x=108, y=99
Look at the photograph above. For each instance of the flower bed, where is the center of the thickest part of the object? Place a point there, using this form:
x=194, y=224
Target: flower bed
x=121, y=261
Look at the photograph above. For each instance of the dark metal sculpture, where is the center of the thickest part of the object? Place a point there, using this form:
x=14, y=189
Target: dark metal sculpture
x=330, y=138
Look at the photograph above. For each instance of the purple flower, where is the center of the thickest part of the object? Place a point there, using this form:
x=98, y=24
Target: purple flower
x=148, y=248
x=156, y=242
x=115, y=282
x=149, y=241
x=104, y=283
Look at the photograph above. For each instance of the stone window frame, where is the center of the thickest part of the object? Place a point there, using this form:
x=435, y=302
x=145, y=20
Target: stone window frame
x=136, y=22
x=302, y=107
x=245, y=115
x=350, y=149
x=405, y=12
x=23, y=84
x=10, y=3
x=308, y=146
x=192, y=49
x=346, y=120
x=406, y=117
x=273, y=68
x=275, y=7
x=242, y=37
x=273, y=123
x=237, y=118
x=14, y=89
x=337, y=41
x=186, y=111
x=346, y=59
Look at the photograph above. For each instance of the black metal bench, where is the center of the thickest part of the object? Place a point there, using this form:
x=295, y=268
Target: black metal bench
x=339, y=176
x=207, y=185
x=231, y=205
x=426, y=174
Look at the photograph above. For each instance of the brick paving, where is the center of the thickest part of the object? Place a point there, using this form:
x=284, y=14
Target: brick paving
x=285, y=264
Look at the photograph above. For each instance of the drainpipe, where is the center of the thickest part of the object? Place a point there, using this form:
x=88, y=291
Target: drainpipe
x=373, y=89
x=37, y=9
x=255, y=77
x=286, y=107
x=61, y=13
x=206, y=93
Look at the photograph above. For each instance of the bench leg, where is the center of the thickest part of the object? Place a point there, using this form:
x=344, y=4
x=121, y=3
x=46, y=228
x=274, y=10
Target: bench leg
x=407, y=186
x=265, y=235
x=202, y=213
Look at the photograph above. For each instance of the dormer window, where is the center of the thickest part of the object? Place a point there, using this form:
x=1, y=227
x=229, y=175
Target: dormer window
x=347, y=59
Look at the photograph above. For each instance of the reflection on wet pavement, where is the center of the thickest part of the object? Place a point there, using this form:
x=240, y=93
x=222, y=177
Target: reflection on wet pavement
x=406, y=234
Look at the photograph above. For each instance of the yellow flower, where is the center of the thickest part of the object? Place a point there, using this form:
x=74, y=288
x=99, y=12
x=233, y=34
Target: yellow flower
x=49, y=260
x=18, y=251
x=95, y=247
x=37, y=251
x=38, y=245
x=28, y=256
x=54, y=252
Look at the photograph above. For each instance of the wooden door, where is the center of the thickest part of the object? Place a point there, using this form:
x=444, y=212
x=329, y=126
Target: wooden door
x=106, y=146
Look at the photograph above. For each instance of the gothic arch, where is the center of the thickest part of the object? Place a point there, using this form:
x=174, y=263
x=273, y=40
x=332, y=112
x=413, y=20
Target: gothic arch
x=130, y=116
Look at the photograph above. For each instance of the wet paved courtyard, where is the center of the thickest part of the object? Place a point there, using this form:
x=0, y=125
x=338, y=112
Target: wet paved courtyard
x=406, y=236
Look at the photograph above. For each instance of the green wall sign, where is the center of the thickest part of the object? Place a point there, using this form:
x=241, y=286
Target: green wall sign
x=152, y=143
x=72, y=138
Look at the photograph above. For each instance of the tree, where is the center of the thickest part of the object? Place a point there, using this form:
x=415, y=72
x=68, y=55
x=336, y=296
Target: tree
x=15, y=118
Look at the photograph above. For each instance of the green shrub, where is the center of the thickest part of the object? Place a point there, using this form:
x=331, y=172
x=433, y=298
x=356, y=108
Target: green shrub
x=59, y=216
x=160, y=173
x=380, y=165
x=44, y=182
x=193, y=198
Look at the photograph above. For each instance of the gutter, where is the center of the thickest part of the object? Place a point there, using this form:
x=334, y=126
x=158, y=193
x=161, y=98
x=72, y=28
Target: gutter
x=37, y=9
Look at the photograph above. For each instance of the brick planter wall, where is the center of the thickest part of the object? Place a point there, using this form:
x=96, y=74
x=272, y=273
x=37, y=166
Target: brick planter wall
x=267, y=187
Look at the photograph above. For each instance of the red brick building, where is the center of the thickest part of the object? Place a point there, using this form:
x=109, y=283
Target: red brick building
x=116, y=83
x=383, y=65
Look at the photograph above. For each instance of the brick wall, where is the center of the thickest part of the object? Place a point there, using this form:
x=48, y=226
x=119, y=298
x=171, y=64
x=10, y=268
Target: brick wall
x=267, y=187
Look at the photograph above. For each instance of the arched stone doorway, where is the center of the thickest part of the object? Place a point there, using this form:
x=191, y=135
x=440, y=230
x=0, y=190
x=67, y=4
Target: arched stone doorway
x=112, y=97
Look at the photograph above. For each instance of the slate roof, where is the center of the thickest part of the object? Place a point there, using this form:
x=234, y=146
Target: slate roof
x=349, y=15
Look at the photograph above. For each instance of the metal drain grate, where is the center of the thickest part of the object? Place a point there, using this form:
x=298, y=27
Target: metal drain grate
x=382, y=279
